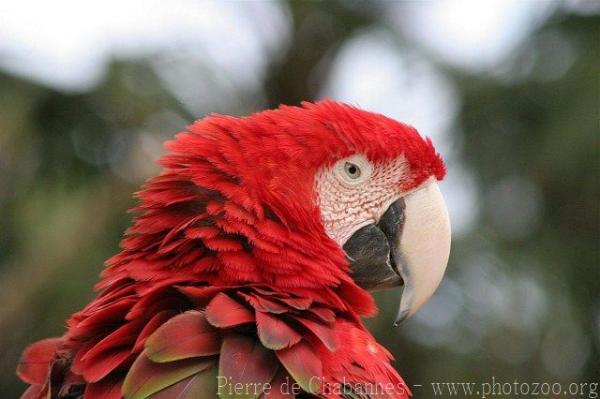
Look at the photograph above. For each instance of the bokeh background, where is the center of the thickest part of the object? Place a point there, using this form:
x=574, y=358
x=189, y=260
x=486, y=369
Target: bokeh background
x=508, y=90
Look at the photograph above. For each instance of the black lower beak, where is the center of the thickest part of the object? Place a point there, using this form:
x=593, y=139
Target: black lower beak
x=371, y=247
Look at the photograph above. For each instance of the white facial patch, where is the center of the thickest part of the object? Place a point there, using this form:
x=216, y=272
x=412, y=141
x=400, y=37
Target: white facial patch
x=355, y=192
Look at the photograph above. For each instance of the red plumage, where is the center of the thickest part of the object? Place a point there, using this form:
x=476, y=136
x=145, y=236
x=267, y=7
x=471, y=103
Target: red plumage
x=228, y=267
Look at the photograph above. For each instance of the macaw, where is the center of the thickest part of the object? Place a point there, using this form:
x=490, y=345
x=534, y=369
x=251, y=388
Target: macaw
x=250, y=264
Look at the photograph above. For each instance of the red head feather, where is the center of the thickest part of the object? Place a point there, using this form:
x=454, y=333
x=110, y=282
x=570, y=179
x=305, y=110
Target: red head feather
x=239, y=193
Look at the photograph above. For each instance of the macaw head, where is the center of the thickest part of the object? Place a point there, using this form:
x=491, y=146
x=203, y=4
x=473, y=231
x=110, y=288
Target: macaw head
x=314, y=197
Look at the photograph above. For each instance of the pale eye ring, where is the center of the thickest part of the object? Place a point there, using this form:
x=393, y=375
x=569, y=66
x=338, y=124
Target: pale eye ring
x=352, y=170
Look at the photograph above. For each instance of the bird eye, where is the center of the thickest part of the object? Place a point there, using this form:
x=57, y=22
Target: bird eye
x=352, y=170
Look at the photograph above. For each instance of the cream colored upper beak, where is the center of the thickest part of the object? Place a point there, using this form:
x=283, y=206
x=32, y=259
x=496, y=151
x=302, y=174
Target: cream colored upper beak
x=424, y=247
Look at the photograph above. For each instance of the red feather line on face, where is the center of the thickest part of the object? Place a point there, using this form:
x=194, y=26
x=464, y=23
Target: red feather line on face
x=229, y=233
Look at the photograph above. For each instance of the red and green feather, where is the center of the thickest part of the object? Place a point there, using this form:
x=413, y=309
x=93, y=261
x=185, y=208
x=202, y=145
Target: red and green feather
x=228, y=271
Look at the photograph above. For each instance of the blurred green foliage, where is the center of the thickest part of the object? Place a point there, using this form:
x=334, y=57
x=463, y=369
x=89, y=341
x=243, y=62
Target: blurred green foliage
x=529, y=137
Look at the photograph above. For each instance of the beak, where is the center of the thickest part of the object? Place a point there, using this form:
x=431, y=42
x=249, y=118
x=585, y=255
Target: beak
x=408, y=247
